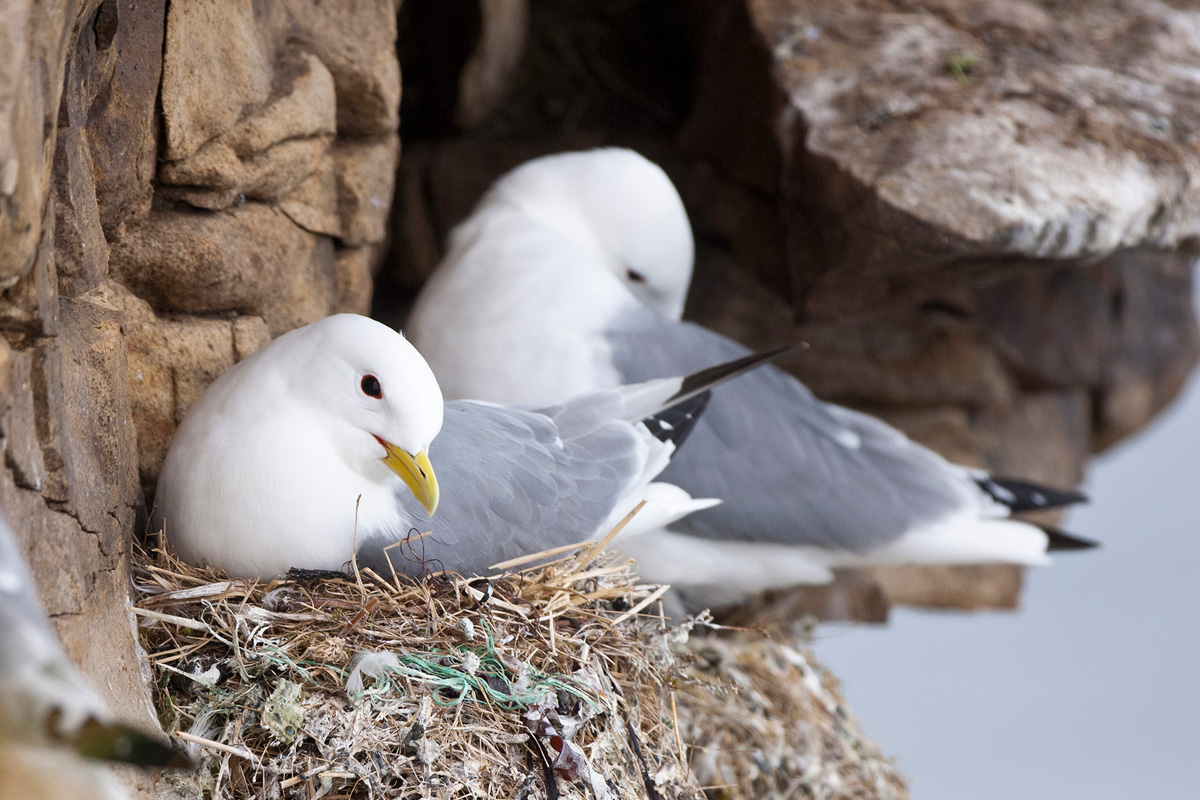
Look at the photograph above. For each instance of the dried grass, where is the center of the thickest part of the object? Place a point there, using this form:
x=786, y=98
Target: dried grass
x=554, y=680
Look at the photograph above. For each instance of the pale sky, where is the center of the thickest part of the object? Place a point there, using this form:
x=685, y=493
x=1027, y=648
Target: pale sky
x=1092, y=690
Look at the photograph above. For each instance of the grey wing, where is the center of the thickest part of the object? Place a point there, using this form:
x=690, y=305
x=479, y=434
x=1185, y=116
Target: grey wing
x=512, y=483
x=788, y=467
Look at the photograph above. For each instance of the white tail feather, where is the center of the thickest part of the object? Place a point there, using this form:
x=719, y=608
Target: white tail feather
x=665, y=503
x=957, y=541
x=722, y=572
x=748, y=567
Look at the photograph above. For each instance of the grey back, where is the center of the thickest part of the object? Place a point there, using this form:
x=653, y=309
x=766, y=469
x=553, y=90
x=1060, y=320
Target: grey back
x=512, y=483
x=778, y=457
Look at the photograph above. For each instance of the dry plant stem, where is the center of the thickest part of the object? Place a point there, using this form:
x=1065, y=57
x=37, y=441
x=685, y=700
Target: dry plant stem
x=240, y=752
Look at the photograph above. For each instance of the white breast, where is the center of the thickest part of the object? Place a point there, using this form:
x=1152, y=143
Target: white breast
x=273, y=495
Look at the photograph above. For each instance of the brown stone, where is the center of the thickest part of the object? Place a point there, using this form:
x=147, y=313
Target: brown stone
x=30, y=305
x=250, y=111
x=356, y=41
x=354, y=267
x=944, y=429
x=249, y=335
x=747, y=224
x=122, y=123
x=214, y=165
x=48, y=403
x=416, y=246
x=909, y=358
x=949, y=136
x=275, y=171
x=215, y=65
x=18, y=427
x=302, y=104
x=855, y=596
x=83, y=586
x=76, y=532
x=251, y=259
x=272, y=150
x=32, y=62
x=81, y=252
x=95, y=437
x=1043, y=438
x=1123, y=327
x=968, y=588
x=267, y=175
x=366, y=173
x=313, y=203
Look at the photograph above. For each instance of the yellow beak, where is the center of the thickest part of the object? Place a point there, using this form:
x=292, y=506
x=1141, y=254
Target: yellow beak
x=417, y=474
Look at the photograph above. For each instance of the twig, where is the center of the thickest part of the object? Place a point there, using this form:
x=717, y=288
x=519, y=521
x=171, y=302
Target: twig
x=588, y=555
x=303, y=776
x=182, y=622
x=678, y=740
x=406, y=540
x=538, y=556
x=354, y=548
x=647, y=779
x=645, y=602
x=240, y=752
x=358, y=617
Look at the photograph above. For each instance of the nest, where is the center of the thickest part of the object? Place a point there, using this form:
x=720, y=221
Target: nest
x=557, y=680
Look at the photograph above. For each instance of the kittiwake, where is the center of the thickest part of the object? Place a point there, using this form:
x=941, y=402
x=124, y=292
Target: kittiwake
x=570, y=276
x=322, y=445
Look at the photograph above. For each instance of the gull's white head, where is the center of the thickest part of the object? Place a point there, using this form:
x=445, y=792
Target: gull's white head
x=619, y=206
x=374, y=393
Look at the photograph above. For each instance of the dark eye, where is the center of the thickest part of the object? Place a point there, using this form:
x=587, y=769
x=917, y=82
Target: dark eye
x=371, y=388
x=635, y=276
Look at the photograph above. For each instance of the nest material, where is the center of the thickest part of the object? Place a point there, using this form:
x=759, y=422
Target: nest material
x=763, y=720
x=552, y=681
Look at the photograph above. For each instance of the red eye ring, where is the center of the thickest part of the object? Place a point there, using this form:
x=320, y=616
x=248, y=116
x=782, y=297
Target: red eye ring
x=370, y=387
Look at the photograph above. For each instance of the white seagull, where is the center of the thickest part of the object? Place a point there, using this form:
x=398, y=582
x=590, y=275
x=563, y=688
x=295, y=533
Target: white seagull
x=48, y=714
x=571, y=275
x=326, y=440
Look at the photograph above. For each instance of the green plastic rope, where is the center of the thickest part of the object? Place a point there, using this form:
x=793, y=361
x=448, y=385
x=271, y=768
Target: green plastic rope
x=453, y=678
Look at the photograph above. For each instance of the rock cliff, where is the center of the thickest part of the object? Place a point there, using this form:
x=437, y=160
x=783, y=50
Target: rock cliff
x=177, y=185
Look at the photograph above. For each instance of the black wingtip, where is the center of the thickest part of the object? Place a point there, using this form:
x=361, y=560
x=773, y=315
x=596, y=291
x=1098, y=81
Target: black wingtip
x=1061, y=541
x=675, y=424
x=126, y=744
x=705, y=379
x=1024, y=496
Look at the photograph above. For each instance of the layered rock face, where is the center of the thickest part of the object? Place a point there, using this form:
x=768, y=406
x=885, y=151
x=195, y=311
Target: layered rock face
x=176, y=186
x=980, y=214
